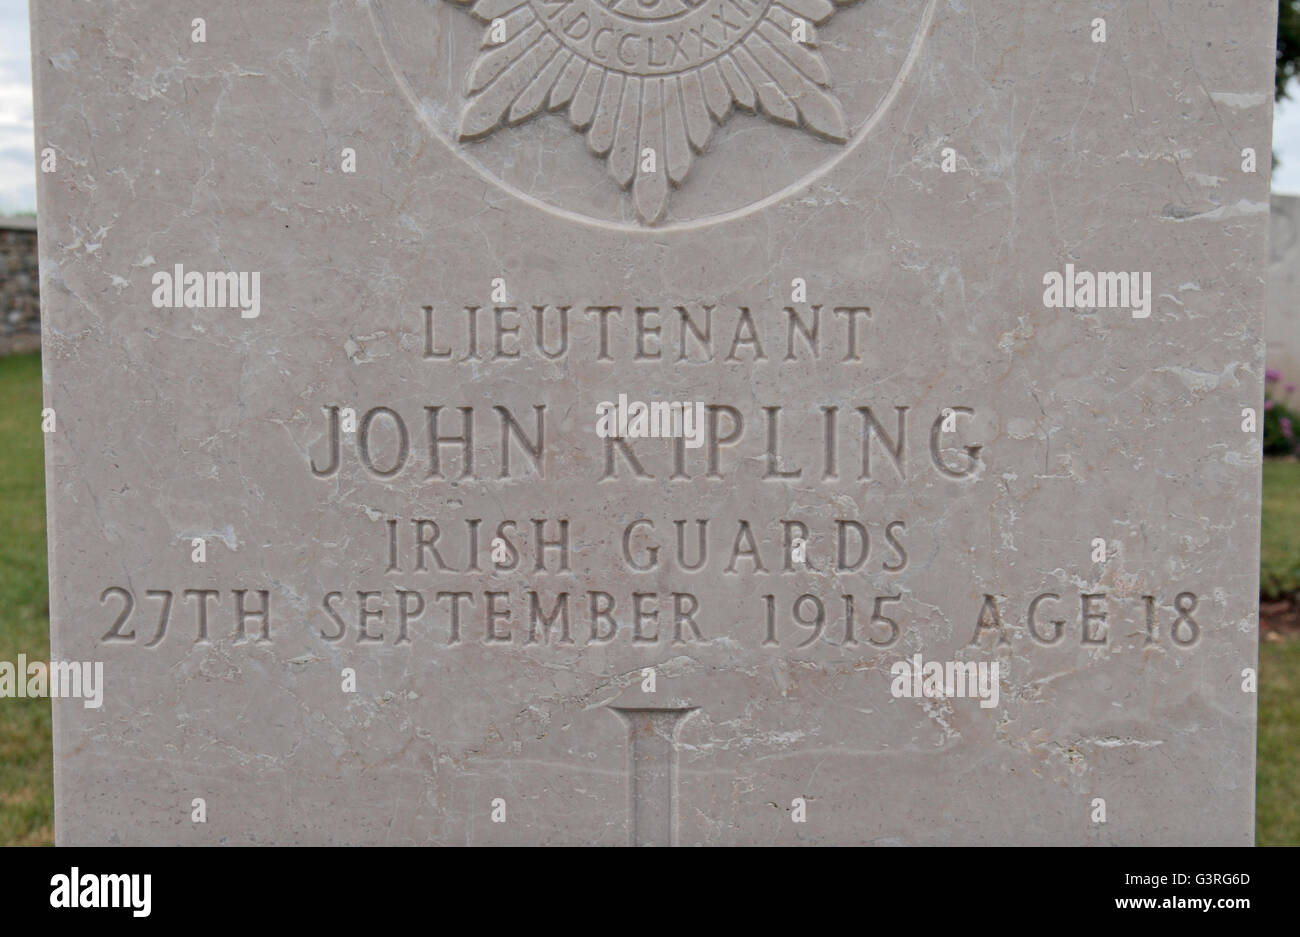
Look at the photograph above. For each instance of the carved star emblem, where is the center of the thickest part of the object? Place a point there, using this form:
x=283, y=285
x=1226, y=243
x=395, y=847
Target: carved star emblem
x=647, y=80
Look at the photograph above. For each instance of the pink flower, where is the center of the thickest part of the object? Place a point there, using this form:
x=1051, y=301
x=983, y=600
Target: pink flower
x=1287, y=430
x=1272, y=375
x=1290, y=388
x=1269, y=405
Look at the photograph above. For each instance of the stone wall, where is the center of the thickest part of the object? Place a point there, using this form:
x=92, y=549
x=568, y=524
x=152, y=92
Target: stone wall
x=20, y=305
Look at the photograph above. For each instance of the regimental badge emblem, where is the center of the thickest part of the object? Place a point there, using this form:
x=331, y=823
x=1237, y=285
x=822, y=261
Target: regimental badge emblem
x=647, y=81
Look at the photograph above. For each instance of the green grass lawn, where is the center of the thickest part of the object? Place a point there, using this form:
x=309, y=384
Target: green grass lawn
x=1277, y=786
x=26, y=759
x=1279, y=562
x=26, y=773
x=1277, y=783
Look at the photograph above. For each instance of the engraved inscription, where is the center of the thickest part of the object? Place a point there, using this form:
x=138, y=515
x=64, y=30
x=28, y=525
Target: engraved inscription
x=666, y=38
x=648, y=332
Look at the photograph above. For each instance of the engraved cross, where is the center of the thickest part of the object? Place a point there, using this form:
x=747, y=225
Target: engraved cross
x=652, y=772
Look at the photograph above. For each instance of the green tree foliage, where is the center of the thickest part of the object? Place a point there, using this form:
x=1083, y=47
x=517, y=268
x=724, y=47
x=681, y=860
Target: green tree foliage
x=1288, y=45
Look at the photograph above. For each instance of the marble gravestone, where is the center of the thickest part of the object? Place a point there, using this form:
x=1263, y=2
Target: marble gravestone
x=655, y=421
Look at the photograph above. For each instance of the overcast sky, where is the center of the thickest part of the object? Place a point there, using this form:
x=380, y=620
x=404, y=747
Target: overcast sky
x=17, y=160
x=1286, y=143
x=17, y=149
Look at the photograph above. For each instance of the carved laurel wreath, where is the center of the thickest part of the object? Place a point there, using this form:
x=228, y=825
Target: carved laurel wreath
x=650, y=77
